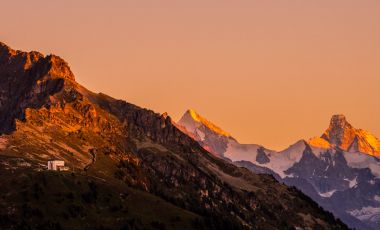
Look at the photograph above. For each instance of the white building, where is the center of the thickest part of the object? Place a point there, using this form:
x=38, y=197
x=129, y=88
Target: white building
x=57, y=165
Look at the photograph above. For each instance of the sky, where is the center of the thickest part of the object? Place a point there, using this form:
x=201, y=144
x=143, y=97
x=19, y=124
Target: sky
x=268, y=72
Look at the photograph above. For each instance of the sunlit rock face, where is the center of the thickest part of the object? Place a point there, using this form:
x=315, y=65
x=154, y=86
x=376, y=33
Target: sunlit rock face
x=343, y=135
x=210, y=136
x=340, y=132
x=28, y=80
x=319, y=142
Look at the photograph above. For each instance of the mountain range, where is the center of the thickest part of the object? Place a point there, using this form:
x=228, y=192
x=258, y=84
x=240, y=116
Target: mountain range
x=340, y=169
x=129, y=167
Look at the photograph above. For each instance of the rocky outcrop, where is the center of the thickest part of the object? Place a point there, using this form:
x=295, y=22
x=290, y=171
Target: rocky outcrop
x=27, y=81
x=261, y=156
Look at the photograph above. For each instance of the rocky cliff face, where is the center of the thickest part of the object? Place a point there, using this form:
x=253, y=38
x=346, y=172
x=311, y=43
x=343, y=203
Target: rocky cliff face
x=28, y=80
x=45, y=114
x=343, y=135
x=340, y=132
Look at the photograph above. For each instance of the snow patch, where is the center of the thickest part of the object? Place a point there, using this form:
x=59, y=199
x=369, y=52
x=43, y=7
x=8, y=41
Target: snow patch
x=367, y=213
x=319, y=151
x=295, y=151
x=279, y=162
x=327, y=194
x=291, y=176
x=360, y=160
x=377, y=198
x=201, y=134
x=352, y=183
x=241, y=152
x=189, y=124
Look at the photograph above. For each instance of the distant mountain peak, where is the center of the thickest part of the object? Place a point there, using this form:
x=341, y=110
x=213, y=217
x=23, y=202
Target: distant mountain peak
x=192, y=116
x=339, y=121
x=342, y=134
x=211, y=137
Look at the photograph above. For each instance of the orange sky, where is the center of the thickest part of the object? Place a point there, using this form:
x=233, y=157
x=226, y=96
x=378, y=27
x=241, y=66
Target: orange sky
x=268, y=72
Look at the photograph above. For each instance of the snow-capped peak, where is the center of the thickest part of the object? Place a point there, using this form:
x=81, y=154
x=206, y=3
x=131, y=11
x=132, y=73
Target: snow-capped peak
x=192, y=120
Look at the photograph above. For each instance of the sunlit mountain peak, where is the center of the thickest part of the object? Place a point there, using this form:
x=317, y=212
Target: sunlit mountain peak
x=193, y=115
x=342, y=134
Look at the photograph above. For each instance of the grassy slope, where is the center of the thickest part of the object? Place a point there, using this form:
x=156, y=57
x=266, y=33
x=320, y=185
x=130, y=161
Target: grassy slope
x=71, y=201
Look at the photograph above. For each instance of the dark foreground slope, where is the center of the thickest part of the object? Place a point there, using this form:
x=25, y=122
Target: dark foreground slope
x=51, y=200
x=115, y=147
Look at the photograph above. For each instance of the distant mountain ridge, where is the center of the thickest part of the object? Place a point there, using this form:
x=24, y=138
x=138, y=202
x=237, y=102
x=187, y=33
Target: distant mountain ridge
x=335, y=169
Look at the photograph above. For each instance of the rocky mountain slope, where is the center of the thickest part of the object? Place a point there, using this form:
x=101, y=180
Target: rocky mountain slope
x=113, y=147
x=339, y=170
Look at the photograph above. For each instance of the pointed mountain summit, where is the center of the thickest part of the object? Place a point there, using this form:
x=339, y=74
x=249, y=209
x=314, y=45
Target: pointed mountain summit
x=209, y=135
x=342, y=134
x=192, y=120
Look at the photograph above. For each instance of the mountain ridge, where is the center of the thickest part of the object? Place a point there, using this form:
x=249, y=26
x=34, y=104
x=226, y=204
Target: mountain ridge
x=340, y=133
x=50, y=116
x=320, y=167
